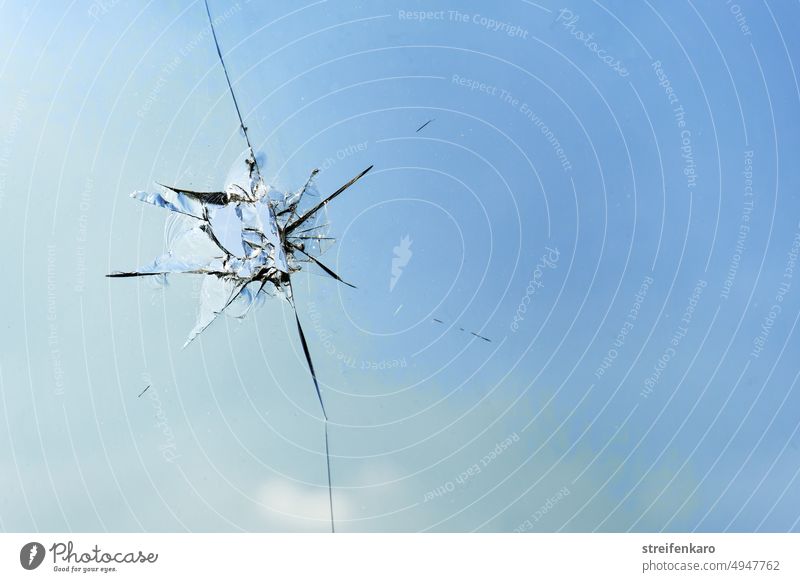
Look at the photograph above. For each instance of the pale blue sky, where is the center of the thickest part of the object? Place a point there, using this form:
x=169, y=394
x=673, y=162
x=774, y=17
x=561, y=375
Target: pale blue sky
x=536, y=143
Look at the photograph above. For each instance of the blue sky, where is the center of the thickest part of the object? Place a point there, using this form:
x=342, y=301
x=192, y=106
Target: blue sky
x=601, y=181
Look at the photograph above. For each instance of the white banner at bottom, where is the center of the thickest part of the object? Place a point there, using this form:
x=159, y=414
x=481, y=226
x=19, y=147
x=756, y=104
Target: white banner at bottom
x=390, y=557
